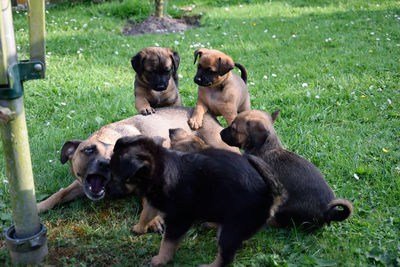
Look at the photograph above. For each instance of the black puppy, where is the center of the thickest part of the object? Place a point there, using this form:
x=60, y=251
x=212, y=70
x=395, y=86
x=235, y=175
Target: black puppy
x=211, y=185
x=308, y=199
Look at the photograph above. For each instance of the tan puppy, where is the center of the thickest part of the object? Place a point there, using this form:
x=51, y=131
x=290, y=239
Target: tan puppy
x=182, y=141
x=156, y=81
x=220, y=91
x=308, y=199
x=89, y=159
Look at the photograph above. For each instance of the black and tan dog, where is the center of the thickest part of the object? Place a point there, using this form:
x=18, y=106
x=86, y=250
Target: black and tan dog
x=156, y=81
x=220, y=91
x=211, y=185
x=309, y=199
x=89, y=159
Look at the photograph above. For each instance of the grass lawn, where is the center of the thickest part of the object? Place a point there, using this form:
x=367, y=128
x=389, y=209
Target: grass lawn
x=332, y=67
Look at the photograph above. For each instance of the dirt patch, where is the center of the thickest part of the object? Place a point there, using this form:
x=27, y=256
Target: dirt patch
x=161, y=25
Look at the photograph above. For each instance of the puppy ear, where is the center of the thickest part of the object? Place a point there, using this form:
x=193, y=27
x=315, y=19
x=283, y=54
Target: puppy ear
x=197, y=53
x=137, y=62
x=274, y=115
x=68, y=149
x=259, y=133
x=175, y=60
x=224, y=66
x=176, y=133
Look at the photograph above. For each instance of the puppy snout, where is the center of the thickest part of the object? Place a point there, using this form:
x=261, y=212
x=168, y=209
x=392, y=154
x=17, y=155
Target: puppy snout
x=161, y=87
x=197, y=79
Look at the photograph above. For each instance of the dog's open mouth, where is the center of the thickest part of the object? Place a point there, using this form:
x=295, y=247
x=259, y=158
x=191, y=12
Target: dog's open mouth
x=94, y=186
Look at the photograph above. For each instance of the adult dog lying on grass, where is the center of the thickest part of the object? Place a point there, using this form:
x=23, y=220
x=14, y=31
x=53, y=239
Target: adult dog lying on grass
x=309, y=199
x=90, y=158
x=211, y=185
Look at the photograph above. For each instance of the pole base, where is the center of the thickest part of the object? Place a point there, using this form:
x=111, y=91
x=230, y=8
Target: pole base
x=30, y=250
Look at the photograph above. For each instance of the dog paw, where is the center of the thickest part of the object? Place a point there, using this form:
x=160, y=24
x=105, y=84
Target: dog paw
x=157, y=225
x=147, y=111
x=195, y=123
x=158, y=261
x=139, y=229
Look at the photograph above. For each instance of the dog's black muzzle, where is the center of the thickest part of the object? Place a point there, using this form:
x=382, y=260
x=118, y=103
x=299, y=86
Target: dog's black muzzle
x=226, y=136
x=202, y=81
x=96, y=179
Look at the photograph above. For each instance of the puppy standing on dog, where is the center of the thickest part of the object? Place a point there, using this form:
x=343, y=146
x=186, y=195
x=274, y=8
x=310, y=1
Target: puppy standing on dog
x=211, y=185
x=156, y=81
x=220, y=91
x=309, y=199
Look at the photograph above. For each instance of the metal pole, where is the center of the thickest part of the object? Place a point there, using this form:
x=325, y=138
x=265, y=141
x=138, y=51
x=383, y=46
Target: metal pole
x=25, y=238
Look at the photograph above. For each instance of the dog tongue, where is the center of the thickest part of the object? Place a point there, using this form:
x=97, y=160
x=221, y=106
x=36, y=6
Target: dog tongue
x=96, y=183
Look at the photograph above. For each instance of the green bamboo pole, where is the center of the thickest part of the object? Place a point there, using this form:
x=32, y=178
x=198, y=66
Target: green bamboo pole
x=18, y=159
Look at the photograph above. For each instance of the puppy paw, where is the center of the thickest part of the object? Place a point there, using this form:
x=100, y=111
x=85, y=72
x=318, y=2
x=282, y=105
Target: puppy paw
x=147, y=111
x=195, y=123
x=139, y=229
x=158, y=261
x=157, y=225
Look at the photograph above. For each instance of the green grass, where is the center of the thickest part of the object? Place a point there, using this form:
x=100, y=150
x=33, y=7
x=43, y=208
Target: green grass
x=337, y=83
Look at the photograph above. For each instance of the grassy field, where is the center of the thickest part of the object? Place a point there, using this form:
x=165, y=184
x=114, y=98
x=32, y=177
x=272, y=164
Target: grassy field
x=332, y=67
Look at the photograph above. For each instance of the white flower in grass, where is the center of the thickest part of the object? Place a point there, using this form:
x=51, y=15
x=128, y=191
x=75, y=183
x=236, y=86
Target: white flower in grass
x=317, y=97
x=116, y=52
x=304, y=85
x=180, y=76
x=266, y=30
x=127, y=45
x=47, y=123
x=273, y=36
x=274, y=75
x=176, y=42
x=156, y=44
x=106, y=84
x=265, y=77
x=224, y=33
x=379, y=89
x=66, y=22
x=368, y=19
x=5, y=181
x=372, y=33
x=328, y=39
x=197, y=35
x=251, y=83
x=388, y=39
x=294, y=35
x=63, y=104
x=351, y=22
x=73, y=20
x=356, y=176
x=389, y=101
x=226, y=8
x=378, y=39
x=397, y=44
x=243, y=22
x=69, y=117
x=50, y=160
x=84, y=25
x=316, y=27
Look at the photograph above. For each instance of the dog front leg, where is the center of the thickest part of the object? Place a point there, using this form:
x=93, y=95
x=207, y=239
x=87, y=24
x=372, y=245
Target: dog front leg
x=73, y=191
x=142, y=105
x=196, y=120
x=148, y=218
x=166, y=253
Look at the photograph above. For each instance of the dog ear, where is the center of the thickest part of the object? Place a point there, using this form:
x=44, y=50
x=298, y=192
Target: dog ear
x=68, y=149
x=274, y=115
x=197, y=53
x=137, y=62
x=258, y=133
x=175, y=60
x=225, y=66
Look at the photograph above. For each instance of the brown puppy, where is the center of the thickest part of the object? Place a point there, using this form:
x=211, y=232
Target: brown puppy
x=156, y=81
x=220, y=91
x=184, y=142
x=309, y=199
x=89, y=159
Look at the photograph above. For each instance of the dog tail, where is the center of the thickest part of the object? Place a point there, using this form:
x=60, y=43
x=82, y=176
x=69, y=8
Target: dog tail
x=243, y=72
x=267, y=173
x=334, y=214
